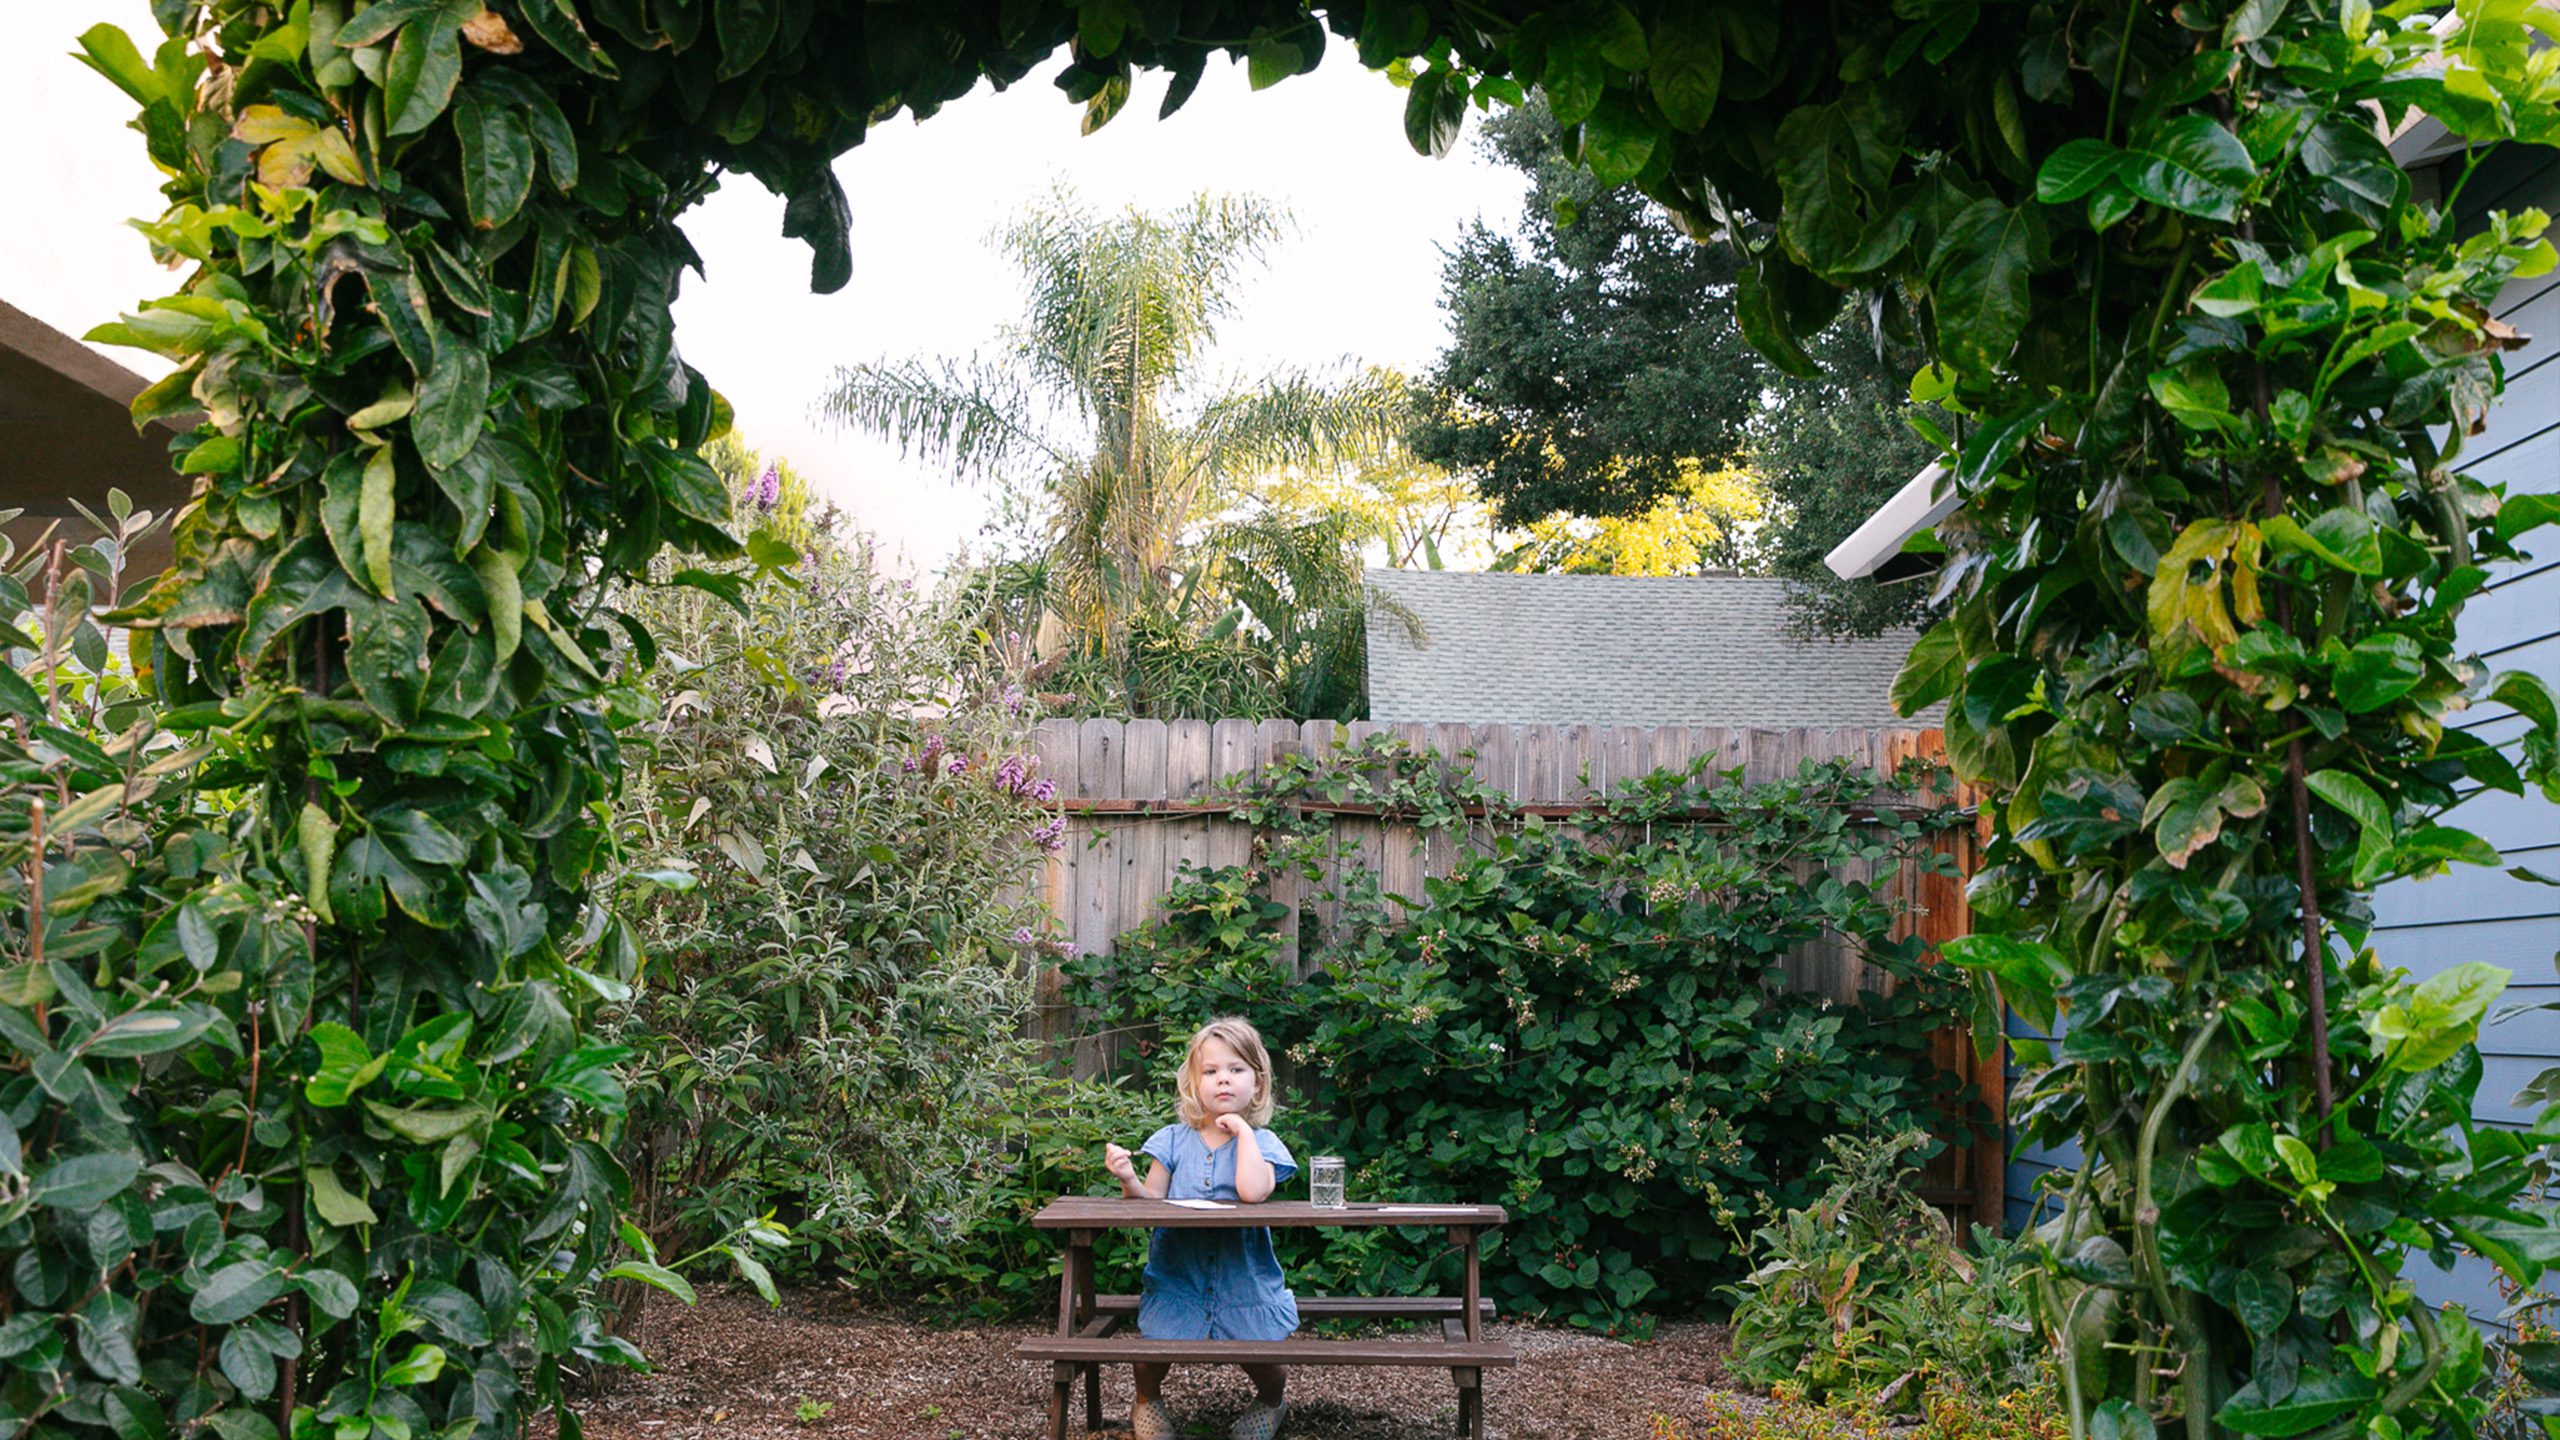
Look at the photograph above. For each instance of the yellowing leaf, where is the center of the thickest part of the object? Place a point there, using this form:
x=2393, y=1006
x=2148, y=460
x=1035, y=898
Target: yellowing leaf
x=505, y=589
x=373, y=518
x=317, y=835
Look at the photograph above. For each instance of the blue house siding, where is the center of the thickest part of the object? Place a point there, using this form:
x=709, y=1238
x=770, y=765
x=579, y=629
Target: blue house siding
x=2473, y=914
x=2513, y=624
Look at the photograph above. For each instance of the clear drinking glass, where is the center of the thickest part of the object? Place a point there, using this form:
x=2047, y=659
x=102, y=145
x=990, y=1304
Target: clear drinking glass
x=1324, y=1181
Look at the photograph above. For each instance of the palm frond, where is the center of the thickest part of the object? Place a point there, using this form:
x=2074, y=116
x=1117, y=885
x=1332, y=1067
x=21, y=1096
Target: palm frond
x=1295, y=417
x=975, y=418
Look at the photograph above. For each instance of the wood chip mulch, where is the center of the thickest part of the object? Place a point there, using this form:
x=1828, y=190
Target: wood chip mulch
x=736, y=1369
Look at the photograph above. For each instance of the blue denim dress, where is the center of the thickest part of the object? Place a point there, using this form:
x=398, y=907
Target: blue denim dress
x=1214, y=1284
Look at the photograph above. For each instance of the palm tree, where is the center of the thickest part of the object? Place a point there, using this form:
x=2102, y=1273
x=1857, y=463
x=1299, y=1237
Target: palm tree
x=1097, y=397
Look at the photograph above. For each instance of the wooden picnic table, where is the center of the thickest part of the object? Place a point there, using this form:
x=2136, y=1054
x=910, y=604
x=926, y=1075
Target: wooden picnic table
x=1087, y=1338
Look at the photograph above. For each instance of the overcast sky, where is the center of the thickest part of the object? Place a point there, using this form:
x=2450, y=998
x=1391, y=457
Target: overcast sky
x=1360, y=279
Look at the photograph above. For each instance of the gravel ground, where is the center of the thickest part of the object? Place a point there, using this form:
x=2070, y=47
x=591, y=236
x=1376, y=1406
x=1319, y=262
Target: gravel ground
x=736, y=1369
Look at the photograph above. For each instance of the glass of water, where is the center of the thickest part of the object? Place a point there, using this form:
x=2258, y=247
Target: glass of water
x=1324, y=1181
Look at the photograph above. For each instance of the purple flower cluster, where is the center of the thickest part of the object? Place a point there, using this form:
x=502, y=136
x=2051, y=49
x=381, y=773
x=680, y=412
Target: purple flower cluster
x=1013, y=776
x=1033, y=940
x=937, y=760
x=1051, y=837
x=768, y=489
x=1015, y=702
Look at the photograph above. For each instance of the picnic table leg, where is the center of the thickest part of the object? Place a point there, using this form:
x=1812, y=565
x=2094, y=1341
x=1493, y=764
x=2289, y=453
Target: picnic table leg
x=1466, y=1242
x=1073, y=1267
x=1471, y=1384
x=1080, y=1251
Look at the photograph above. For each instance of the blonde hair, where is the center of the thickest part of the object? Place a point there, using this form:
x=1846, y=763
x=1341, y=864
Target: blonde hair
x=1237, y=1034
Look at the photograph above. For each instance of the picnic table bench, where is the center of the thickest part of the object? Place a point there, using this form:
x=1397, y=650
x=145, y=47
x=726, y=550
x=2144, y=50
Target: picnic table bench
x=1089, y=1325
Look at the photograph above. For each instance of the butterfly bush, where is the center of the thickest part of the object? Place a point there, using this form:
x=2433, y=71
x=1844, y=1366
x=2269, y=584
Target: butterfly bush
x=830, y=1024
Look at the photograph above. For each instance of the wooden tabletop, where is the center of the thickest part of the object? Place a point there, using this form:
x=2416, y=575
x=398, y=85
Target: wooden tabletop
x=1103, y=1212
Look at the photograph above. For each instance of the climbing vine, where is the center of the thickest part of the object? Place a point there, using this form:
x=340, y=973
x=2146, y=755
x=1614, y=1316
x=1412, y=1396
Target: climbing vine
x=2214, y=360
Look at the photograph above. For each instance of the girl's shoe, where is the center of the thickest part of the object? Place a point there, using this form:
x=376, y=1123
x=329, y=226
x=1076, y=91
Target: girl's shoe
x=1148, y=1421
x=1259, y=1421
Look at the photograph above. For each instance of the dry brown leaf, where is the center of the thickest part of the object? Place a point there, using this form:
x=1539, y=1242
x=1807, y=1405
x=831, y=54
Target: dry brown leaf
x=489, y=31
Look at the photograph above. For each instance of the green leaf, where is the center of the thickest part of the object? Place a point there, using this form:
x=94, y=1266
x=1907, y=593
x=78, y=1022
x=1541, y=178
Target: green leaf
x=2263, y=1298
x=2520, y=513
x=2188, y=817
x=332, y=1294
x=2438, y=1018
x=387, y=656
x=497, y=160
x=427, y=1124
x=2075, y=169
x=426, y=63
x=1687, y=66
x=419, y=1367
x=1931, y=672
x=247, y=1364
x=2379, y=670
x=2236, y=291
x=2028, y=972
x=2352, y=795
x=146, y=1032
x=2342, y=538
x=2194, y=394
x=1619, y=36
x=1979, y=285
x=2315, y=1400
x=418, y=836
x=2529, y=695
x=383, y=21
x=1268, y=60
x=83, y=1182
x=346, y=1066
x=451, y=402
x=2190, y=164
x=237, y=1291
x=2251, y=22
x=334, y=1201
x=746, y=29
x=1573, y=80
x=1617, y=140
x=1819, y=166
x=656, y=1275
x=2432, y=846
x=1765, y=325
x=688, y=483
x=111, y=53
x=133, y=1415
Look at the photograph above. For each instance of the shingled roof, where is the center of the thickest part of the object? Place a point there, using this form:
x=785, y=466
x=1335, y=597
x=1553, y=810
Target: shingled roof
x=1615, y=650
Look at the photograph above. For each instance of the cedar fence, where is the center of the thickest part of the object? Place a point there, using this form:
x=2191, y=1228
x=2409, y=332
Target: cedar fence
x=1144, y=798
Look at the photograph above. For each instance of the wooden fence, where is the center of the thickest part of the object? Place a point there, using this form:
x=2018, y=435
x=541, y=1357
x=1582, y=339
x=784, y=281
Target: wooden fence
x=1144, y=798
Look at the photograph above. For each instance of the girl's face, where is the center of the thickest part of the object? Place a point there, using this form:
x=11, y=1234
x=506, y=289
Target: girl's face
x=1225, y=1083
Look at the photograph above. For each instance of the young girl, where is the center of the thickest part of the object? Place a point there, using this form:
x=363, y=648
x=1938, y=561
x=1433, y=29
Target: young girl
x=1214, y=1284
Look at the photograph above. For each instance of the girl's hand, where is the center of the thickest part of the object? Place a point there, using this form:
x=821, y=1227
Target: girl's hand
x=1235, y=1125
x=1117, y=1161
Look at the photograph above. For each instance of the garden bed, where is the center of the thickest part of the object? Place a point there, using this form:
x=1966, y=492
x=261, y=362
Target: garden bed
x=734, y=1368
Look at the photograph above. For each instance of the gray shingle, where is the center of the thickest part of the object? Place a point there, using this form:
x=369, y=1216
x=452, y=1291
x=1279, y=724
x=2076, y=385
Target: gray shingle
x=1616, y=650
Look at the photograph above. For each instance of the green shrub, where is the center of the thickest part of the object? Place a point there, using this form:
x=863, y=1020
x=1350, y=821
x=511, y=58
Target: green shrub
x=1865, y=1295
x=263, y=1170
x=829, y=818
x=1593, y=1034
